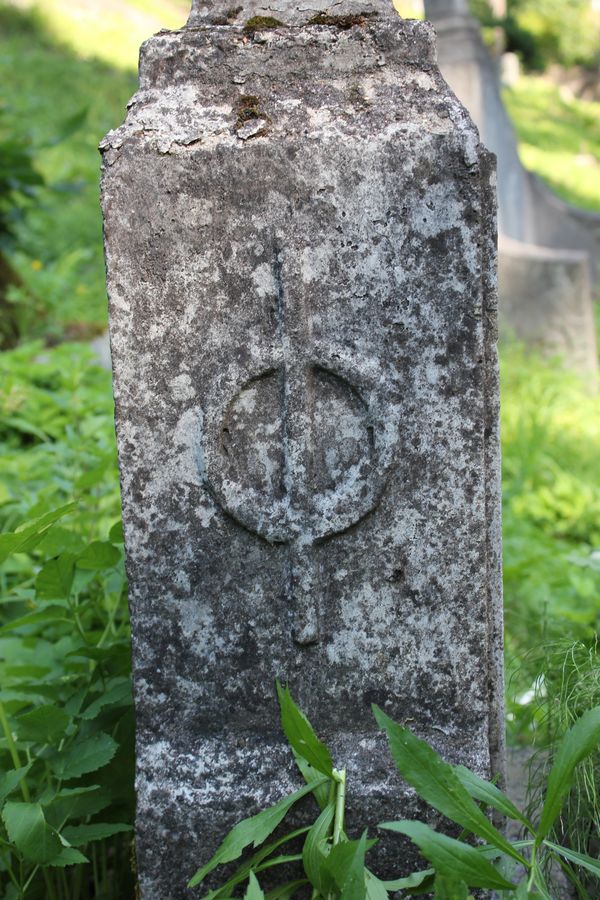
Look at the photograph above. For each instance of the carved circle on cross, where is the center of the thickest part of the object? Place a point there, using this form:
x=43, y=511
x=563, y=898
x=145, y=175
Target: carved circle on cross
x=298, y=450
x=297, y=444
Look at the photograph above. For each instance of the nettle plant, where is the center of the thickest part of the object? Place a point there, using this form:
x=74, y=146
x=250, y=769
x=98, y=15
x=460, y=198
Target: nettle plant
x=332, y=866
x=66, y=718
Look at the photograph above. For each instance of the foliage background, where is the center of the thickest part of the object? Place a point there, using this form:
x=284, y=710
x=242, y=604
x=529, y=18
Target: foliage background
x=63, y=613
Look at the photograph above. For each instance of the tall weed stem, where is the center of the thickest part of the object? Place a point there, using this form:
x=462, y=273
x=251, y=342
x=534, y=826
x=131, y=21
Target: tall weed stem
x=340, y=802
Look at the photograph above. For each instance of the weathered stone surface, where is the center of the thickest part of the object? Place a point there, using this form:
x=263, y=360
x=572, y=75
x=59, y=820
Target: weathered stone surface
x=300, y=245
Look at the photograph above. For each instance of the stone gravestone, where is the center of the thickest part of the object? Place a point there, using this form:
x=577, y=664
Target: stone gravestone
x=300, y=243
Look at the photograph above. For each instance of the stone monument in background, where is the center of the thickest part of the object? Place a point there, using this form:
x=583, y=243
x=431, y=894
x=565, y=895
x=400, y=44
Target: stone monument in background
x=549, y=250
x=300, y=244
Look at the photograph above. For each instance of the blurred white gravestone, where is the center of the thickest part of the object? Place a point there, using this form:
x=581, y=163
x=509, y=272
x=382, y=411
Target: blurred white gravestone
x=539, y=230
x=300, y=242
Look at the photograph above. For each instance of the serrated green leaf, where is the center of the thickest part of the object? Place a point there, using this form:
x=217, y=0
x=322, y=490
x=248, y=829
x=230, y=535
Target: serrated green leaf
x=314, y=852
x=68, y=856
x=29, y=672
x=581, y=740
x=55, y=578
x=488, y=793
x=101, y=654
x=310, y=775
x=253, y=831
x=449, y=888
x=376, y=889
x=84, y=756
x=118, y=695
x=60, y=540
x=254, y=890
x=30, y=533
x=287, y=890
x=254, y=863
x=415, y=880
x=301, y=735
x=42, y=725
x=580, y=859
x=451, y=857
x=346, y=865
x=75, y=803
x=79, y=835
x=28, y=830
x=73, y=705
x=98, y=555
x=438, y=784
x=10, y=781
x=53, y=612
x=31, y=692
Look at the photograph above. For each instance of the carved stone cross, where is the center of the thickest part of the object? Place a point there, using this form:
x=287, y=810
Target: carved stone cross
x=300, y=243
x=299, y=450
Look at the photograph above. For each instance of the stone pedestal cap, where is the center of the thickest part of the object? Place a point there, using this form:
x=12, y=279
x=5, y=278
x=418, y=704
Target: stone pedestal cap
x=286, y=12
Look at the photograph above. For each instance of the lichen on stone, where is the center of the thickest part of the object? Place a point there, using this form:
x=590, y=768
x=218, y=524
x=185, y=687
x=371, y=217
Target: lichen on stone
x=262, y=23
x=249, y=111
x=357, y=97
x=343, y=22
x=248, y=107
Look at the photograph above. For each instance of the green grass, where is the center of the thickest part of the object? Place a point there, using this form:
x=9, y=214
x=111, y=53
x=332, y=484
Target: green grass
x=551, y=505
x=551, y=442
x=559, y=138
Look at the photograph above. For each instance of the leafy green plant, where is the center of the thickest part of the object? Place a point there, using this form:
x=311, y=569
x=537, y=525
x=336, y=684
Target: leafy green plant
x=18, y=177
x=440, y=785
x=333, y=866
x=66, y=733
x=19, y=180
x=56, y=438
x=66, y=724
x=21, y=184
x=546, y=31
x=66, y=786
x=568, y=683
